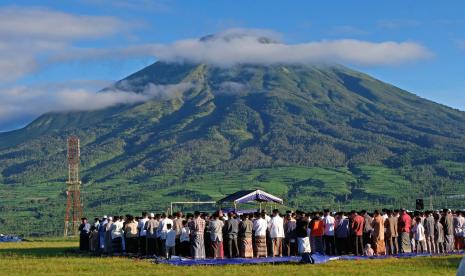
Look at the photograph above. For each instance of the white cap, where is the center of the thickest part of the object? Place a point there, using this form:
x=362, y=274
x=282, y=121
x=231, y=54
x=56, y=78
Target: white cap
x=105, y=216
x=110, y=218
x=152, y=215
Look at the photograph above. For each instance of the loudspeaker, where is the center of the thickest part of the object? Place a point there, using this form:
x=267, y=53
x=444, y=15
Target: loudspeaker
x=420, y=204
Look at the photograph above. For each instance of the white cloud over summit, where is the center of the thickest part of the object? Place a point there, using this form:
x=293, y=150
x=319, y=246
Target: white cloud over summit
x=32, y=39
x=236, y=46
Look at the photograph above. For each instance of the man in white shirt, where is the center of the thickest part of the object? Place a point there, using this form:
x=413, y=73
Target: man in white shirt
x=277, y=233
x=419, y=236
x=328, y=237
x=162, y=229
x=216, y=236
x=117, y=235
x=260, y=227
x=142, y=234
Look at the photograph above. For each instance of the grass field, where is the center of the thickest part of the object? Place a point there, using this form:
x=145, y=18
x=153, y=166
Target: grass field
x=50, y=257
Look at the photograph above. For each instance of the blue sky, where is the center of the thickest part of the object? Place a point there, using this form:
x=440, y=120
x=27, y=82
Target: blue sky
x=49, y=59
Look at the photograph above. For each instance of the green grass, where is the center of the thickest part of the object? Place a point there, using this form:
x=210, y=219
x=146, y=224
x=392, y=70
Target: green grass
x=53, y=257
x=381, y=182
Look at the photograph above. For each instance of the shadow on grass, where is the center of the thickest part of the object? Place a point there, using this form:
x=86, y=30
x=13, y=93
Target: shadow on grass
x=41, y=252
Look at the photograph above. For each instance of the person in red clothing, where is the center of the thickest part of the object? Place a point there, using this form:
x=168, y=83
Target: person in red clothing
x=404, y=225
x=357, y=228
x=317, y=229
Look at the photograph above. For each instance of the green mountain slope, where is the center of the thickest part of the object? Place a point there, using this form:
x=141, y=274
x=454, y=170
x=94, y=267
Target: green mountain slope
x=315, y=135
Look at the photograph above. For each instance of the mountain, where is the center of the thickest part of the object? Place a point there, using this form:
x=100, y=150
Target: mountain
x=319, y=136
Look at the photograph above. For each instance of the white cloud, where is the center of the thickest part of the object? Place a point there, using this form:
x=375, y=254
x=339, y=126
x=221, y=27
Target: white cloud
x=27, y=102
x=37, y=23
x=27, y=34
x=237, y=46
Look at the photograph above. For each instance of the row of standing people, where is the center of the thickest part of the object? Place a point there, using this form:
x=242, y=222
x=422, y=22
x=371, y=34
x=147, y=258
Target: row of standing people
x=259, y=235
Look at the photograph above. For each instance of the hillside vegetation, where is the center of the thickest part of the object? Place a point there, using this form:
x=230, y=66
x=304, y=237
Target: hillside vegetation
x=315, y=135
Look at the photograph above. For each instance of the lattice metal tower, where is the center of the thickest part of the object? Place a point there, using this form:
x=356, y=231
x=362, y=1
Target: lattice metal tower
x=73, y=204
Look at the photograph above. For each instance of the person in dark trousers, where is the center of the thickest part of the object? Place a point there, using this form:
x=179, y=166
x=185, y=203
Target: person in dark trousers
x=392, y=233
x=232, y=230
x=367, y=227
x=357, y=228
x=84, y=231
x=142, y=239
x=341, y=233
x=329, y=241
x=290, y=239
x=403, y=226
x=151, y=234
x=447, y=222
x=429, y=232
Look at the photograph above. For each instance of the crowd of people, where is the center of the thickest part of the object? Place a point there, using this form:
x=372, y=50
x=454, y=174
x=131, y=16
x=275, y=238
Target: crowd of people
x=232, y=235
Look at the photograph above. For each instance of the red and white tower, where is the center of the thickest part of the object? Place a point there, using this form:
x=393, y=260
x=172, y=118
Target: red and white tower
x=73, y=205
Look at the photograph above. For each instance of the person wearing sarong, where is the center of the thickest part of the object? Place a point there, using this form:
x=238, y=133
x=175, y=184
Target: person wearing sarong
x=216, y=236
x=93, y=239
x=303, y=241
x=277, y=233
x=378, y=234
x=101, y=231
x=107, y=247
x=404, y=224
x=197, y=229
x=260, y=228
x=84, y=231
x=245, y=236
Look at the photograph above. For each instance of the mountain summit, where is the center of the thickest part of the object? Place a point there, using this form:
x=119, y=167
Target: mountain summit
x=311, y=134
